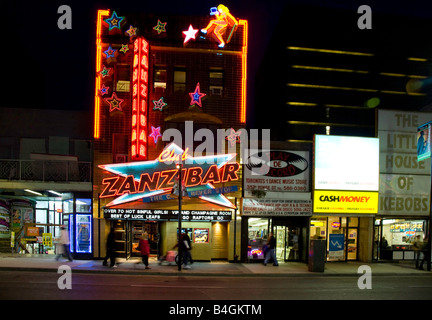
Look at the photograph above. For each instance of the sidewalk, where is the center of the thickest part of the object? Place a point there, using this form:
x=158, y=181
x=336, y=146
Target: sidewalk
x=18, y=262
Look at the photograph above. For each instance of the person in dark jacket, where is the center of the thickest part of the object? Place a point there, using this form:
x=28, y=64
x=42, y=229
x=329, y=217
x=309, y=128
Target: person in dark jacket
x=110, y=250
x=271, y=247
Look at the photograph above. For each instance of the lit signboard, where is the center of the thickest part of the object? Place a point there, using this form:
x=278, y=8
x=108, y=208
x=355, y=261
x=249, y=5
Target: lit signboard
x=346, y=163
x=326, y=201
x=139, y=99
x=147, y=179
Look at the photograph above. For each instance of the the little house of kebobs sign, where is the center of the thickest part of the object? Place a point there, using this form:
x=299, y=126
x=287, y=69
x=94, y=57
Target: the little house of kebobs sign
x=155, y=179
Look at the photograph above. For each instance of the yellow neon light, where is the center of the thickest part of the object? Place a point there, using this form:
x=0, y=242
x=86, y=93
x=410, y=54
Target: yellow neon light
x=317, y=86
x=100, y=15
x=416, y=59
x=328, y=69
x=244, y=23
x=353, y=53
x=303, y=104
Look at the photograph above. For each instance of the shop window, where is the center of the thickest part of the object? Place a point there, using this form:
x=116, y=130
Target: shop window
x=395, y=238
x=160, y=79
x=216, y=82
x=123, y=78
x=179, y=80
x=258, y=231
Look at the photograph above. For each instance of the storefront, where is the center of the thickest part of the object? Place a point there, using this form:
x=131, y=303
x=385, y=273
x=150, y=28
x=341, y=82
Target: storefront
x=288, y=221
x=209, y=230
x=342, y=235
x=394, y=238
x=143, y=197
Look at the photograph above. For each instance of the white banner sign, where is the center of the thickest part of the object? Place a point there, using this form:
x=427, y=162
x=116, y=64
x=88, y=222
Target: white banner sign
x=267, y=207
x=404, y=181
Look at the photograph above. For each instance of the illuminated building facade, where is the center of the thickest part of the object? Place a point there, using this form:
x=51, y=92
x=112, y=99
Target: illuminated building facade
x=164, y=72
x=331, y=76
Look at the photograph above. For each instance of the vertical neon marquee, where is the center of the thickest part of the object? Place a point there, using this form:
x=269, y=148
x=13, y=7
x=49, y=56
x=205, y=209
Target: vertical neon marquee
x=139, y=99
x=244, y=71
x=100, y=15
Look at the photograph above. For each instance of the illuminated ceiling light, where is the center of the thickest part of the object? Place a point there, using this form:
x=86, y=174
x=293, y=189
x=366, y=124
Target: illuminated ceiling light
x=302, y=104
x=34, y=192
x=55, y=192
x=353, y=53
x=328, y=69
x=417, y=59
x=318, y=86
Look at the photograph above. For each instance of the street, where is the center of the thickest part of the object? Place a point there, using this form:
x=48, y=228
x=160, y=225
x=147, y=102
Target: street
x=85, y=286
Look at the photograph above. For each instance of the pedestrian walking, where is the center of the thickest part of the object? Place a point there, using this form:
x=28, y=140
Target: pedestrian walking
x=271, y=247
x=110, y=250
x=144, y=248
x=185, y=249
x=425, y=253
x=63, y=247
x=417, y=246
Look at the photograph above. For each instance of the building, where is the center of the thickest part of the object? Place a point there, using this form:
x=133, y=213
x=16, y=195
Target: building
x=165, y=75
x=333, y=78
x=45, y=179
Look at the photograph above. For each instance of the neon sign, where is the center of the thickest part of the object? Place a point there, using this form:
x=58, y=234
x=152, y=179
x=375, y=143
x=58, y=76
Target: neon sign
x=190, y=33
x=196, y=96
x=218, y=27
x=160, y=27
x=139, y=99
x=115, y=21
x=145, y=179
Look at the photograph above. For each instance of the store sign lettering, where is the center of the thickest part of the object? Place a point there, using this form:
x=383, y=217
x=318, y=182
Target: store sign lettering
x=344, y=199
x=166, y=179
x=149, y=179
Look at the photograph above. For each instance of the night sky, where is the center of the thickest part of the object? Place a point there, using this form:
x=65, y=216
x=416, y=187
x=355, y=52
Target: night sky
x=46, y=67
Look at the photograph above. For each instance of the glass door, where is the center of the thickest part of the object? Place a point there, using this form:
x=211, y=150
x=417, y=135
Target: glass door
x=281, y=243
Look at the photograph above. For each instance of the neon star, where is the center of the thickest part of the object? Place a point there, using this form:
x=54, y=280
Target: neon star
x=131, y=32
x=196, y=96
x=115, y=102
x=190, y=33
x=160, y=27
x=135, y=170
x=155, y=134
x=124, y=48
x=159, y=104
x=103, y=90
x=105, y=72
x=114, y=21
x=110, y=52
x=234, y=137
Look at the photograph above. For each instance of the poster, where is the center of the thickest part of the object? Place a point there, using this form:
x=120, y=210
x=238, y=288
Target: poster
x=423, y=141
x=336, y=246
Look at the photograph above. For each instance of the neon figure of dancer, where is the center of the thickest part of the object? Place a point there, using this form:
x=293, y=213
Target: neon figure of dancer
x=219, y=25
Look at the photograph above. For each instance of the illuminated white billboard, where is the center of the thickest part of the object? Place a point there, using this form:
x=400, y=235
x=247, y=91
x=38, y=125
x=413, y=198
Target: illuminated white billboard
x=346, y=163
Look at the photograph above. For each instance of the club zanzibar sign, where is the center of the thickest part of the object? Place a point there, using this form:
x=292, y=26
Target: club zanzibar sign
x=146, y=180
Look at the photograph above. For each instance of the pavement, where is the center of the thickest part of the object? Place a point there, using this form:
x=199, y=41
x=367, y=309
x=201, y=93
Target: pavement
x=47, y=263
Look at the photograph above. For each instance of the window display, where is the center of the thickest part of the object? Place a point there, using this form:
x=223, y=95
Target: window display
x=201, y=235
x=258, y=230
x=83, y=231
x=394, y=238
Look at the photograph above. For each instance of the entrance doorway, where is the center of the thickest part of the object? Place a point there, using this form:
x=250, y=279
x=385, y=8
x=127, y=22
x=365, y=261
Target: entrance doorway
x=287, y=243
